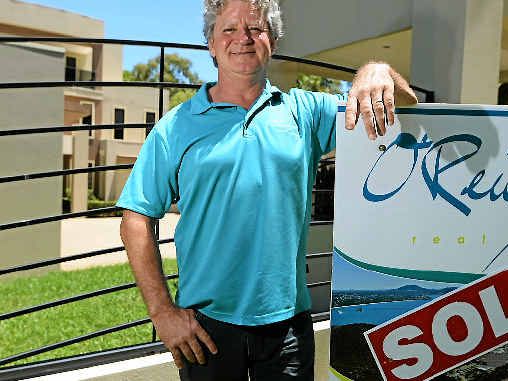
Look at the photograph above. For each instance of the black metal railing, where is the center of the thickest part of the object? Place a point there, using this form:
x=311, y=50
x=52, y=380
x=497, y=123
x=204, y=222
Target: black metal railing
x=141, y=349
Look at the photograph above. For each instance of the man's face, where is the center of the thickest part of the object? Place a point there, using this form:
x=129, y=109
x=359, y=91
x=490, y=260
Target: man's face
x=241, y=42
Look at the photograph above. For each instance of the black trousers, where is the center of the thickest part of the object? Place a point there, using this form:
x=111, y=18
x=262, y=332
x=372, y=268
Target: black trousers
x=274, y=352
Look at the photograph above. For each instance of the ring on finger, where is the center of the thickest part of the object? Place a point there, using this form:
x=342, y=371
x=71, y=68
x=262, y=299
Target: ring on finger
x=379, y=101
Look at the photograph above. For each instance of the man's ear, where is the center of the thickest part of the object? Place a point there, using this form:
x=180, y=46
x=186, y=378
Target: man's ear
x=273, y=45
x=211, y=47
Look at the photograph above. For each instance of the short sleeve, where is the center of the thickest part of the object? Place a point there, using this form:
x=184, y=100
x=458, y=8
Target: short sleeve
x=325, y=117
x=320, y=110
x=151, y=186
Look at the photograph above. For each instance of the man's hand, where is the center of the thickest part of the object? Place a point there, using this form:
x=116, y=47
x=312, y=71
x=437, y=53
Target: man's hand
x=180, y=331
x=375, y=87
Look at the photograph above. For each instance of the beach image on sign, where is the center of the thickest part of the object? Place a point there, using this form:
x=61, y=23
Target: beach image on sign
x=419, y=214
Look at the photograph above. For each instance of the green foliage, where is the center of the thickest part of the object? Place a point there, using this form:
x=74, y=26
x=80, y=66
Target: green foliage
x=312, y=82
x=65, y=322
x=176, y=69
x=93, y=203
x=96, y=204
x=180, y=96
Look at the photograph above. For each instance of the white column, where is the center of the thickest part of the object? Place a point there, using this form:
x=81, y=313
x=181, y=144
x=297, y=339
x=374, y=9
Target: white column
x=456, y=49
x=79, y=182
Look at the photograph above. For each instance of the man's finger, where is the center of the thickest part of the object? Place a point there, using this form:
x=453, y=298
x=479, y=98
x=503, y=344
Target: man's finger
x=205, y=338
x=198, y=351
x=379, y=112
x=368, y=116
x=187, y=352
x=351, y=112
x=389, y=101
x=177, y=357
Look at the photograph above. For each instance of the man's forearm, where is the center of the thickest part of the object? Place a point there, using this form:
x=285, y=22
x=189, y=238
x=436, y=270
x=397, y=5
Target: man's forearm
x=139, y=240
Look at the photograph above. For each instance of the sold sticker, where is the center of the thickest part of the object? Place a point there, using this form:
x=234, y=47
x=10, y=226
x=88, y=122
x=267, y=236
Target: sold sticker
x=445, y=333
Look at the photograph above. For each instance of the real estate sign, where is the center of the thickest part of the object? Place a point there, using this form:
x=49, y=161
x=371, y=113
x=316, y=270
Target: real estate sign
x=420, y=246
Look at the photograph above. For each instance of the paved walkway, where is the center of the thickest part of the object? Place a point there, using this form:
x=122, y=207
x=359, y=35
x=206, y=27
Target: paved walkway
x=80, y=235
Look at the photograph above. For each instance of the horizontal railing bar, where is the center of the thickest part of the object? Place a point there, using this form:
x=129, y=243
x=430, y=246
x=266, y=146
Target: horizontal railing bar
x=65, y=216
x=327, y=65
x=422, y=90
x=165, y=85
x=186, y=46
x=319, y=255
x=54, y=261
x=91, y=254
x=320, y=316
x=83, y=127
x=66, y=364
x=69, y=363
x=307, y=61
x=74, y=340
x=64, y=172
x=45, y=84
x=112, y=41
x=92, y=294
x=319, y=223
x=318, y=284
x=166, y=45
x=74, y=298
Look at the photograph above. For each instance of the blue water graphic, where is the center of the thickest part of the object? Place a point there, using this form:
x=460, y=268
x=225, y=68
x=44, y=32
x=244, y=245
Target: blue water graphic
x=375, y=313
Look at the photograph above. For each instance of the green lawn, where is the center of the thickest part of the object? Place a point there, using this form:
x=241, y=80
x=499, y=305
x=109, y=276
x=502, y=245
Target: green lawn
x=64, y=322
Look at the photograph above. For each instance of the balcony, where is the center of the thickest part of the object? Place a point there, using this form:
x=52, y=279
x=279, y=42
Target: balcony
x=74, y=74
x=318, y=261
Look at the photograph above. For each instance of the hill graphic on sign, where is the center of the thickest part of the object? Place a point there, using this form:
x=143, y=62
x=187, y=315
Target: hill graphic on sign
x=341, y=298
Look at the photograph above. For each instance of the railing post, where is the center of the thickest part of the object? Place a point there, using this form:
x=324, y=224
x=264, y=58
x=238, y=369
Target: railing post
x=161, y=111
x=429, y=97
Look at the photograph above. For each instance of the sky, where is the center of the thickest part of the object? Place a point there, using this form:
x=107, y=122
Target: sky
x=152, y=20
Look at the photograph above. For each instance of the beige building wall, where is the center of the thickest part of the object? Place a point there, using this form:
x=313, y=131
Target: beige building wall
x=135, y=102
x=30, y=108
x=331, y=30
x=458, y=48
x=18, y=17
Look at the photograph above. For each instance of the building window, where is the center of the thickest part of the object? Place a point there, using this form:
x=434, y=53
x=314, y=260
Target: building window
x=119, y=119
x=90, y=176
x=88, y=121
x=70, y=68
x=149, y=118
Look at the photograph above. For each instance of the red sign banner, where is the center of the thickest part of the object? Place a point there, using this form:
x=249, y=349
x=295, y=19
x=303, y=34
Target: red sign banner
x=445, y=333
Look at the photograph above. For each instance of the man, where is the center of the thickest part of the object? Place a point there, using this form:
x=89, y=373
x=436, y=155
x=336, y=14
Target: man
x=240, y=158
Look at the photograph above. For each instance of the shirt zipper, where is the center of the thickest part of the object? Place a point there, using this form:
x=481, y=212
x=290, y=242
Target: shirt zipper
x=249, y=119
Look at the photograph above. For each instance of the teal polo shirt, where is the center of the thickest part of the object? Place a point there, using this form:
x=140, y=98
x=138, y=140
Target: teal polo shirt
x=243, y=183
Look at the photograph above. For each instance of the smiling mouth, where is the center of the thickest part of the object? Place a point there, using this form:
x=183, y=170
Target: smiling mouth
x=243, y=53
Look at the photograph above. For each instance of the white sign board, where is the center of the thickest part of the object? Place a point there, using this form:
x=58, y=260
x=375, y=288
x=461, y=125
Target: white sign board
x=418, y=213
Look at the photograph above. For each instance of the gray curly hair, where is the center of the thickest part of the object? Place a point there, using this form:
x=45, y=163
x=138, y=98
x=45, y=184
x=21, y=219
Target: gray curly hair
x=270, y=9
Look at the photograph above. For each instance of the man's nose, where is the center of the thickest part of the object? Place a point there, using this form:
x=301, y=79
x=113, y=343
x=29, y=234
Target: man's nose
x=245, y=36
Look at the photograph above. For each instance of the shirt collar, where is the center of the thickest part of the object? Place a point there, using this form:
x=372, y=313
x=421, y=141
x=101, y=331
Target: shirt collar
x=201, y=104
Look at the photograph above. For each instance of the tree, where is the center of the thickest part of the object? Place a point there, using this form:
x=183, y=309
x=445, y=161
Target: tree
x=176, y=69
x=313, y=82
